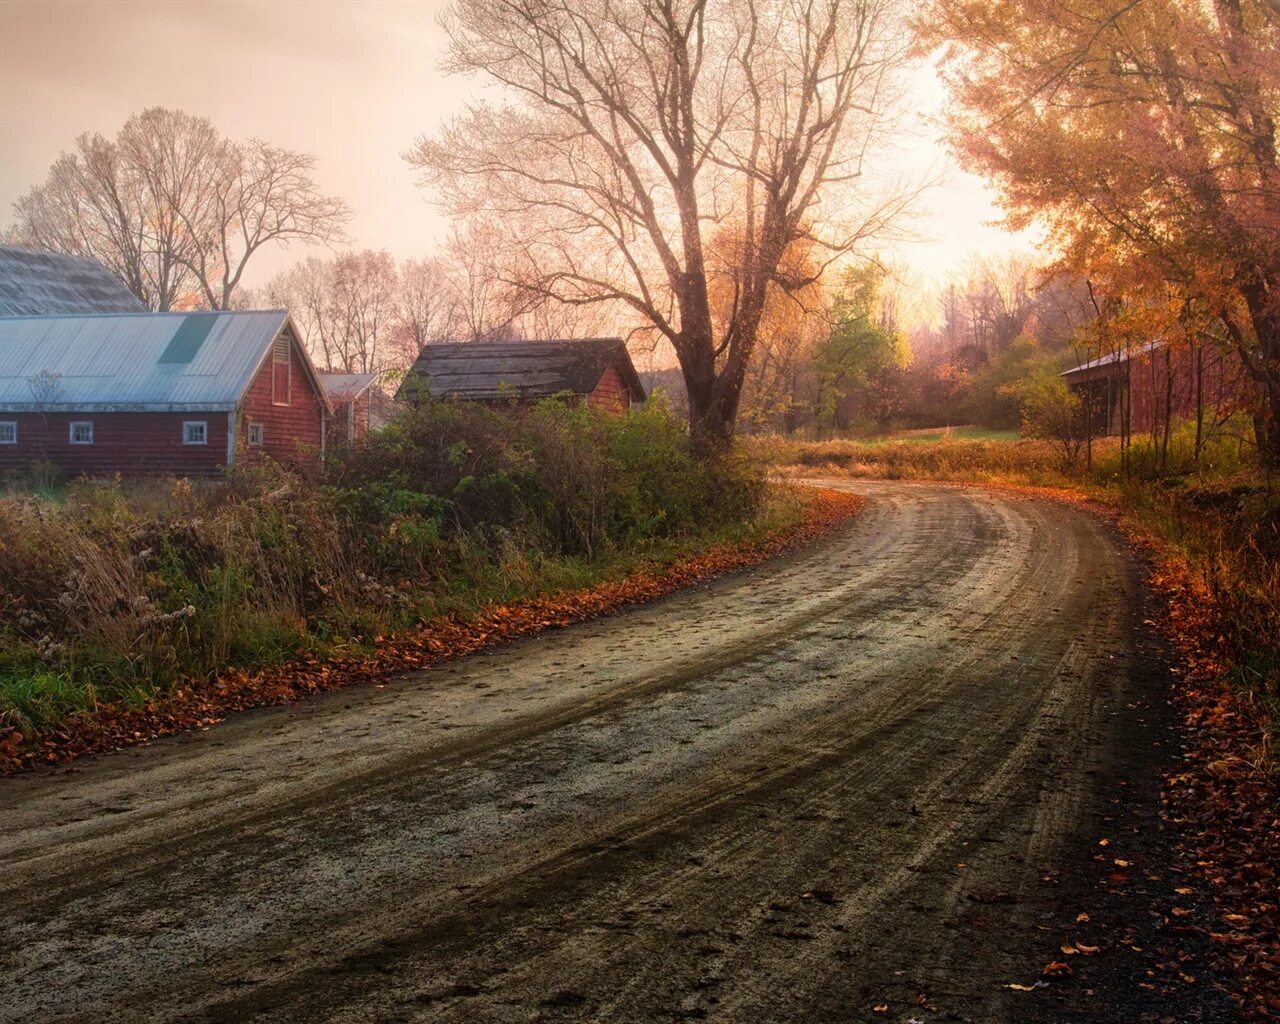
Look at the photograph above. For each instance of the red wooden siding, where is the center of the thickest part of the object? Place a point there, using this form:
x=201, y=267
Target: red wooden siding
x=610, y=394
x=1163, y=374
x=123, y=442
x=292, y=432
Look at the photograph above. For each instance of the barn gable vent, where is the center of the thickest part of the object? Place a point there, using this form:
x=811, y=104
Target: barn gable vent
x=188, y=338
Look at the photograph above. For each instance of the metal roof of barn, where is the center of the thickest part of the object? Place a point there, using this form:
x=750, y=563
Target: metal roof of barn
x=142, y=362
x=482, y=370
x=1114, y=358
x=35, y=283
x=342, y=387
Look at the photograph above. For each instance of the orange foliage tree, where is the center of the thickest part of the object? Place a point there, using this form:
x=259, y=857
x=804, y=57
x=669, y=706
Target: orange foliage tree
x=1143, y=133
x=780, y=385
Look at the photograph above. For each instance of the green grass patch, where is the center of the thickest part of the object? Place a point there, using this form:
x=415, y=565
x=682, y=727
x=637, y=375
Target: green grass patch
x=938, y=435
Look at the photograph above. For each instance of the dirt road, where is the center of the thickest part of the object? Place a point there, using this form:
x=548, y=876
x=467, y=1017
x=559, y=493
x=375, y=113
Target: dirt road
x=866, y=782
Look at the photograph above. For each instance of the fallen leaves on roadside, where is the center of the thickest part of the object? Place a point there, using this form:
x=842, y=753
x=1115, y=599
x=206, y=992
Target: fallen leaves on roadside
x=1057, y=969
x=1222, y=800
x=199, y=704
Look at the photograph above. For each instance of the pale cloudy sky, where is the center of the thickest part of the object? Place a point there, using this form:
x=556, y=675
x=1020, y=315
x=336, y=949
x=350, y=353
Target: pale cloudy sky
x=353, y=83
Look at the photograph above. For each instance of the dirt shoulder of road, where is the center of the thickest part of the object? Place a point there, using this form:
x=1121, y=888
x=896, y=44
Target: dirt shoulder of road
x=201, y=704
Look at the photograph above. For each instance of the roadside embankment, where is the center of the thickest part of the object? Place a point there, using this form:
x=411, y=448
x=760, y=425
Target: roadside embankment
x=786, y=518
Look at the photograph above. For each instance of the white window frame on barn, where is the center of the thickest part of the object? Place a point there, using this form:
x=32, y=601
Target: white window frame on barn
x=8, y=431
x=86, y=426
x=281, y=365
x=195, y=432
x=255, y=435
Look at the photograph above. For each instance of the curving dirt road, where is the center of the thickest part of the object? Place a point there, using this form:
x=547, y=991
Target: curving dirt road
x=866, y=782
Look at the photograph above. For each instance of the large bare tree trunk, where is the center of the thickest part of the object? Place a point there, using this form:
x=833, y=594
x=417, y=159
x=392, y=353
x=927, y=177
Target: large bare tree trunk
x=633, y=126
x=1262, y=364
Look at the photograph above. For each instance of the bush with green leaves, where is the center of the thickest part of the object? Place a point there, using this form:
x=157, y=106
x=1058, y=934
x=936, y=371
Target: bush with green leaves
x=115, y=591
x=1052, y=412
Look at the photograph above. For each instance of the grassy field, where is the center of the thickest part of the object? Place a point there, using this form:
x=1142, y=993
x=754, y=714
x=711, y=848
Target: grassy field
x=934, y=435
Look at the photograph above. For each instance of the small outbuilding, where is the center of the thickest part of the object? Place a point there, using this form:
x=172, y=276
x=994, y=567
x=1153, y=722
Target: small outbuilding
x=1137, y=390
x=36, y=283
x=358, y=405
x=181, y=393
x=597, y=371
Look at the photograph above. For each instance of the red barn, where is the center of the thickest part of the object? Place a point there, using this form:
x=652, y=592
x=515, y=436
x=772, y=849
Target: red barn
x=597, y=371
x=180, y=393
x=1152, y=378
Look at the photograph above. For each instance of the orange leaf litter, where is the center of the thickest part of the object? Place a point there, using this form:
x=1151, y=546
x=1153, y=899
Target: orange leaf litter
x=199, y=704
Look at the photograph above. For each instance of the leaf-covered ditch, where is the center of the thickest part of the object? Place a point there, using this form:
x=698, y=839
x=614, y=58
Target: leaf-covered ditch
x=134, y=610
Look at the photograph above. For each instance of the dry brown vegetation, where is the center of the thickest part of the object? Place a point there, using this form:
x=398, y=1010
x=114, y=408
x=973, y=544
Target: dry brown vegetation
x=1023, y=462
x=114, y=593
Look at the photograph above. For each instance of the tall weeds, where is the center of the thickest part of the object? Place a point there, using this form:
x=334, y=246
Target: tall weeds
x=118, y=591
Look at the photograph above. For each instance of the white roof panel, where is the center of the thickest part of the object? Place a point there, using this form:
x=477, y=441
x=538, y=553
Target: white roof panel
x=343, y=386
x=35, y=283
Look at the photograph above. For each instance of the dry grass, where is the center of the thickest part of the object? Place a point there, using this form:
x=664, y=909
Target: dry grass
x=111, y=593
x=1019, y=462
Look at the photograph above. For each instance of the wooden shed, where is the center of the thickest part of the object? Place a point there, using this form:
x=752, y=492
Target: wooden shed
x=356, y=405
x=597, y=371
x=1137, y=389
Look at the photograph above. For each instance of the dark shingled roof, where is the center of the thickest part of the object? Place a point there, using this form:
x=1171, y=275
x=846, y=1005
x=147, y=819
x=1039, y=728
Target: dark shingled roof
x=481, y=370
x=34, y=283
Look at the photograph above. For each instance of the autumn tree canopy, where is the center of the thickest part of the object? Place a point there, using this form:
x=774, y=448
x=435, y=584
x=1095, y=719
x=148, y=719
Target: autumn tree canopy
x=1143, y=132
x=626, y=132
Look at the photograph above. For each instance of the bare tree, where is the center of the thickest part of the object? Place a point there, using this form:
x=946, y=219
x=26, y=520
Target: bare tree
x=176, y=210
x=366, y=297
x=633, y=126
x=348, y=308
x=46, y=391
x=491, y=286
x=257, y=195
x=94, y=203
x=426, y=305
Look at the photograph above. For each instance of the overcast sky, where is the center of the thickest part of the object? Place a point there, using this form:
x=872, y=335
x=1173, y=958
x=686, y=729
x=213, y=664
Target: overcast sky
x=353, y=83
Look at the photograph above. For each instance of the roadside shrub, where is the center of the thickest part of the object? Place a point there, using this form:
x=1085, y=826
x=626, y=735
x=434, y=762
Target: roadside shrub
x=567, y=479
x=1229, y=531
x=115, y=591
x=1051, y=412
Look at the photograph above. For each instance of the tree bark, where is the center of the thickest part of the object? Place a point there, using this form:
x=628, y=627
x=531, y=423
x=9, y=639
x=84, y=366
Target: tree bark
x=1262, y=364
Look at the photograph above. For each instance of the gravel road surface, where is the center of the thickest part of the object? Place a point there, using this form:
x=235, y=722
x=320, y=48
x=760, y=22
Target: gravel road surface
x=863, y=782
